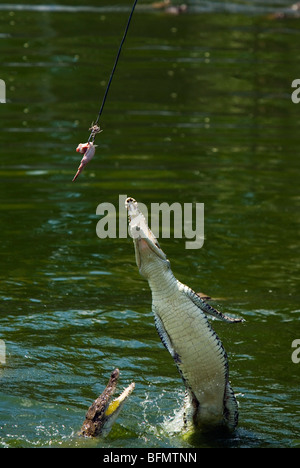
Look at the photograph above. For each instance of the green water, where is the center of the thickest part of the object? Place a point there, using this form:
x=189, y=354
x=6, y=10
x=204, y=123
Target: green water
x=200, y=110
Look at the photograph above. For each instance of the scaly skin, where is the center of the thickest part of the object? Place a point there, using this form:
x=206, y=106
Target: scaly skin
x=180, y=318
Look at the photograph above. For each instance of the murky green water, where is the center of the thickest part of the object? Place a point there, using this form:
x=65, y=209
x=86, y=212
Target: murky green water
x=200, y=110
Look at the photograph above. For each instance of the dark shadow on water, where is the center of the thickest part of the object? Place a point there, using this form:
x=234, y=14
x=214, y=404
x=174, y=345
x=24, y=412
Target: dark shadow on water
x=222, y=438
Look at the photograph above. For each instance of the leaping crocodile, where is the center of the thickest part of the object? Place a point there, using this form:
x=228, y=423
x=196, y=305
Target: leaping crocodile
x=182, y=324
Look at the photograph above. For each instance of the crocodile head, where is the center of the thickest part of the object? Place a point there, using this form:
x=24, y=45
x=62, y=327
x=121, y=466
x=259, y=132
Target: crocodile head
x=148, y=253
x=103, y=412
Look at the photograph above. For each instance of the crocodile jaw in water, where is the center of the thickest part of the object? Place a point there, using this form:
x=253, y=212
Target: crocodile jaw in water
x=180, y=319
x=103, y=413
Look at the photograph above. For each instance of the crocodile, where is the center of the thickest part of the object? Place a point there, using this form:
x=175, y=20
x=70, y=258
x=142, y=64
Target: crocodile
x=102, y=414
x=181, y=321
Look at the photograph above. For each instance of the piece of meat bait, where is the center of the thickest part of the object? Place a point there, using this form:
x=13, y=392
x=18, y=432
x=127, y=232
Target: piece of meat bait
x=88, y=151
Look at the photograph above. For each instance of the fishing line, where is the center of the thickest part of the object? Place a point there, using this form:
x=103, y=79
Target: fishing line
x=88, y=149
x=93, y=134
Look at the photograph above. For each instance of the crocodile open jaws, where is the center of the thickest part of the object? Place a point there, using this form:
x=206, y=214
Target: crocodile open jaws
x=181, y=321
x=102, y=414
